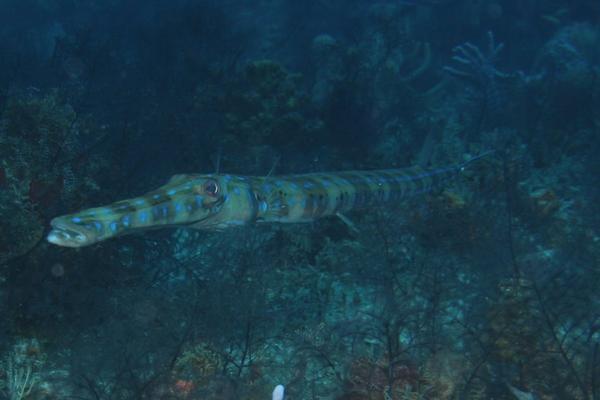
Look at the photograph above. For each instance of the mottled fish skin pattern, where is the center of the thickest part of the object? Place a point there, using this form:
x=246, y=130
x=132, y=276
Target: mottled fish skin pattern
x=220, y=201
x=304, y=198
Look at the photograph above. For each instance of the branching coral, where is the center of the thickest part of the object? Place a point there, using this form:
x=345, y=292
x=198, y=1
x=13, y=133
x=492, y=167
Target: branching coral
x=22, y=369
x=393, y=55
x=476, y=66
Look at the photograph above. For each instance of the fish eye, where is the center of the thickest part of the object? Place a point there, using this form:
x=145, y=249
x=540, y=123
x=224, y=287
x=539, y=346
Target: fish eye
x=211, y=187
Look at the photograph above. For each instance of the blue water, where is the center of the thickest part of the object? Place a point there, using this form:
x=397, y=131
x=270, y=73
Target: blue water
x=485, y=288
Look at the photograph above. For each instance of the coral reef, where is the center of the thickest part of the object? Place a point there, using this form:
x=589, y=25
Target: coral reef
x=42, y=146
x=484, y=288
x=268, y=108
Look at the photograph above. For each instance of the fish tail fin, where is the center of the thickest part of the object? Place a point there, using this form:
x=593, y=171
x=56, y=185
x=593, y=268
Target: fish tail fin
x=465, y=164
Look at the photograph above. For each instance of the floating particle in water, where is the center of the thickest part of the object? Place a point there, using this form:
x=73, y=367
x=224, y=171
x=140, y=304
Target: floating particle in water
x=57, y=270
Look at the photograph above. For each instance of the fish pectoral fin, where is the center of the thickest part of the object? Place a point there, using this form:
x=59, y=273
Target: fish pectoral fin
x=276, y=211
x=273, y=207
x=348, y=222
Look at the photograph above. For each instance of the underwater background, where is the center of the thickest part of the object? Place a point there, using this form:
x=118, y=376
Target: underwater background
x=487, y=288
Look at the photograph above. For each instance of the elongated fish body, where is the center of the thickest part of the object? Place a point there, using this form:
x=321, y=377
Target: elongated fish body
x=306, y=197
x=220, y=201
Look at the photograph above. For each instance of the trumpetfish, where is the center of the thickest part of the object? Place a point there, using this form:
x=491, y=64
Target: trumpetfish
x=219, y=201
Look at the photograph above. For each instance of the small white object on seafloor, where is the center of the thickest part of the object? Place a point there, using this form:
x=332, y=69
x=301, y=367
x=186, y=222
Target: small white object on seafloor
x=278, y=392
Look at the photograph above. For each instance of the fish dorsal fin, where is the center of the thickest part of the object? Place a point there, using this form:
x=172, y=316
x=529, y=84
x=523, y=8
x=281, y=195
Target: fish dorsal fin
x=178, y=178
x=273, y=166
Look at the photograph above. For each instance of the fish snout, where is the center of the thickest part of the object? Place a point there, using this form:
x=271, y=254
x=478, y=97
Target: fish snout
x=68, y=234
